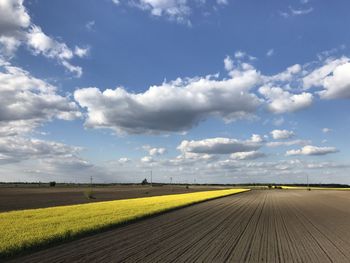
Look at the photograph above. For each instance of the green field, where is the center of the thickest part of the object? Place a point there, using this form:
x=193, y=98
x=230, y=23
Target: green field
x=28, y=229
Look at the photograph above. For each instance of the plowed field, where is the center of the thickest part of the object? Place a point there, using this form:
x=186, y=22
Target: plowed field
x=256, y=226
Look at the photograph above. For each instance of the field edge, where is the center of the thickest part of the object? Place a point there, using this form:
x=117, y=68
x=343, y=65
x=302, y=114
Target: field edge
x=12, y=254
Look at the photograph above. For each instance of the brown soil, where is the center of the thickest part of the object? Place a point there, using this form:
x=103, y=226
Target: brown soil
x=257, y=226
x=16, y=198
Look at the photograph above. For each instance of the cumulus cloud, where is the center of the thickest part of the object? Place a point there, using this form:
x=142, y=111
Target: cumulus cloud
x=220, y=145
x=157, y=151
x=147, y=159
x=154, y=151
x=312, y=150
x=337, y=85
x=26, y=101
x=17, y=148
x=286, y=75
x=228, y=63
x=252, y=155
x=282, y=134
x=332, y=76
x=8, y=45
x=282, y=101
x=316, y=77
x=188, y=101
x=42, y=44
x=16, y=29
x=13, y=17
x=174, y=106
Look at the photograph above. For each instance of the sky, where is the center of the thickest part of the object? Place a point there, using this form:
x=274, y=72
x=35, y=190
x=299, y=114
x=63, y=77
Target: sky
x=196, y=91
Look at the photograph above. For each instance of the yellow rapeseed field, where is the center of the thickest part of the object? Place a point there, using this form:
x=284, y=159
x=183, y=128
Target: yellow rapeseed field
x=25, y=229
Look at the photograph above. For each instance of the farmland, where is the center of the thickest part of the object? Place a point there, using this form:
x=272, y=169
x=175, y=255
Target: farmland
x=264, y=226
x=26, y=229
x=34, y=196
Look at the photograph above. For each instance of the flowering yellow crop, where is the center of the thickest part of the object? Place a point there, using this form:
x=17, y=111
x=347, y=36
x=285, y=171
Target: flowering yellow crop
x=25, y=229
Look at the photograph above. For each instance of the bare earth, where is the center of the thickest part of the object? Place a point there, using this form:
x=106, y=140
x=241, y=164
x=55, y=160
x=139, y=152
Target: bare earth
x=16, y=198
x=257, y=226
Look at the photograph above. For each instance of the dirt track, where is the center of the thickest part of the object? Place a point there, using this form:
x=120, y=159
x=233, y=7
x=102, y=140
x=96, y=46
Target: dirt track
x=258, y=226
x=16, y=198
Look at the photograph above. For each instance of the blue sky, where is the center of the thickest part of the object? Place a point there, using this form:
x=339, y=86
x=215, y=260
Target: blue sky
x=212, y=91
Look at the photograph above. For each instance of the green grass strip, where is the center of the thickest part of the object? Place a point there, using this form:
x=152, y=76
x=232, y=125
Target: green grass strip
x=27, y=229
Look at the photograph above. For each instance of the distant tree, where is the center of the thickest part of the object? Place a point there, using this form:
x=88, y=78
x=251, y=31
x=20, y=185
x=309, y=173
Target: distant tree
x=52, y=184
x=144, y=181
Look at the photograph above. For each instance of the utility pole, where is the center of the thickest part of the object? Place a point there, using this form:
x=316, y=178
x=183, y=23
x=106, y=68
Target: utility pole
x=151, y=178
x=307, y=180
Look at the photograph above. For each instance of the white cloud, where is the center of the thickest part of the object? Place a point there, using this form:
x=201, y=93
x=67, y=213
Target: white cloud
x=288, y=143
x=228, y=63
x=90, y=25
x=256, y=138
x=191, y=100
x=177, y=10
x=185, y=102
x=147, y=159
x=282, y=101
x=337, y=85
x=326, y=130
x=299, y=12
x=219, y=146
x=332, y=77
x=252, y=155
x=286, y=75
x=270, y=52
x=8, y=45
x=317, y=76
x=282, y=134
x=40, y=43
x=295, y=12
x=16, y=29
x=26, y=101
x=239, y=54
x=124, y=160
x=222, y=2
x=17, y=148
x=312, y=150
x=157, y=151
x=13, y=17
x=81, y=52
x=154, y=151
